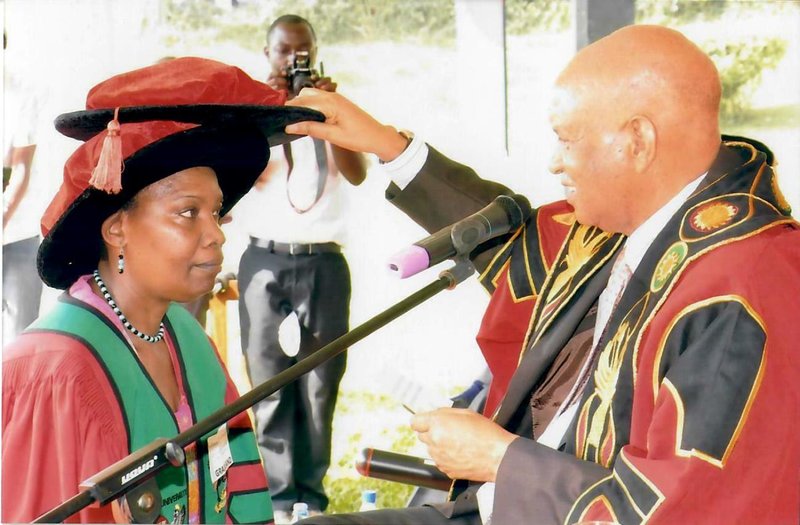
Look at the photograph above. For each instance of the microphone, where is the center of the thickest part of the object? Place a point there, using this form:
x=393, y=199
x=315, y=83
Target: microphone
x=411, y=470
x=502, y=215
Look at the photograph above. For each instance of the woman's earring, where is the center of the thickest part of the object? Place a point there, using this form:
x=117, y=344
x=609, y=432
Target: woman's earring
x=120, y=262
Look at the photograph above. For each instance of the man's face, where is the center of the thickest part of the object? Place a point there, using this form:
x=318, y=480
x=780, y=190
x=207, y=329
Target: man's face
x=286, y=40
x=591, y=160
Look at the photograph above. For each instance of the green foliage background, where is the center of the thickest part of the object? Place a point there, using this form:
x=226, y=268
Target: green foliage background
x=741, y=65
x=741, y=61
x=430, y=22
x=677, y=12
x=344, y=491
x=527, y=16
x=353, y=21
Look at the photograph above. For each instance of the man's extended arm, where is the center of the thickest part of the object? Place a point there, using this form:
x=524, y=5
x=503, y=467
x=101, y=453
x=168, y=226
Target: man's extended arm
x=346, y=125
x=443, y=191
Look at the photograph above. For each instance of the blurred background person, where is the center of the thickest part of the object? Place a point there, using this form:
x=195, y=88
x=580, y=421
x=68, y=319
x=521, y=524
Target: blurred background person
x=293, y=279
x=22, y=288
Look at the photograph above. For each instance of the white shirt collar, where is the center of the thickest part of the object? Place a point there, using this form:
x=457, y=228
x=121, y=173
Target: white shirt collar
x=641, y=238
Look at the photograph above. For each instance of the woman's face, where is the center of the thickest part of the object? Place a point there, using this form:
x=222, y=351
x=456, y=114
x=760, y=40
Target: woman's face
x=172, y=241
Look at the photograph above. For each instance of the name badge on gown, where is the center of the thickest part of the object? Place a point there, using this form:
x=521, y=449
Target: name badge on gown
x=219, y=454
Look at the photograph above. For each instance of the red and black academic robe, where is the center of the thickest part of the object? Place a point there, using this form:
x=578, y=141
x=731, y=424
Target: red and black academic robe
x=690, y=414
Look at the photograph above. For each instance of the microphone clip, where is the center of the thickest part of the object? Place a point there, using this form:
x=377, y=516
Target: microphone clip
x=460, y=272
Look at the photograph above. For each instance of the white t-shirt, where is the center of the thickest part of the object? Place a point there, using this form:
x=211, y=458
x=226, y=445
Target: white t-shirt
x=22, y=113
x=267, y=213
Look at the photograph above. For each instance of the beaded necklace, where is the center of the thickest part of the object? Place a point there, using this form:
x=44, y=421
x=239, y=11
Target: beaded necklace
x=127, y=324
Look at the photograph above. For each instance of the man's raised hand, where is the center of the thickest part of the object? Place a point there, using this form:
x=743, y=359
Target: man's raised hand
x=346, y=125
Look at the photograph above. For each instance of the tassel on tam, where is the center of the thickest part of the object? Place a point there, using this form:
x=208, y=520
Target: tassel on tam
x=107, y=175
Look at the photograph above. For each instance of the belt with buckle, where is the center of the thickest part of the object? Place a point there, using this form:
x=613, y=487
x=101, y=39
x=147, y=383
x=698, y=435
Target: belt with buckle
x=296, y=248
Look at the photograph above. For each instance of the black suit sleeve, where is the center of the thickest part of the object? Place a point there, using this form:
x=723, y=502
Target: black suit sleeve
x=445, y=192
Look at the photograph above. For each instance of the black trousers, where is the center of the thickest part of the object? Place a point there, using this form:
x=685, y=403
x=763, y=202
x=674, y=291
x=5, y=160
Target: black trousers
x=22, y=287
x=294, y=425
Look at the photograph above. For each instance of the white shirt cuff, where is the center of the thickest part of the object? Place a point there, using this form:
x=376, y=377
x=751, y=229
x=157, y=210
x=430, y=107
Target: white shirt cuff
x=405, y=167
x=485, y=497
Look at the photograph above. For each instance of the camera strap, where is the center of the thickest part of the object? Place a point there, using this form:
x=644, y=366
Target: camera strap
x=321, y=154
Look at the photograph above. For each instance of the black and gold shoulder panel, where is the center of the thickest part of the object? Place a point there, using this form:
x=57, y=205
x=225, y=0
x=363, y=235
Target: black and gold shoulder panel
x=524, y=258
x=530, y=252
x=714, y=378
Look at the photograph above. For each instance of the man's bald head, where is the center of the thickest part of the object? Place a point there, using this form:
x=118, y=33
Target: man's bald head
x=637, y=117
x=651, y=70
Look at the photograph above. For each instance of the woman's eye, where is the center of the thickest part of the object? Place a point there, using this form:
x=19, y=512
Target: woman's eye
x=189, y=213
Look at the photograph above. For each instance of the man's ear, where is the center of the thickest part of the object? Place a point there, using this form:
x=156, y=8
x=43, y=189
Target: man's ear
x=112, y=230
x=266, y=51
x=643, y=144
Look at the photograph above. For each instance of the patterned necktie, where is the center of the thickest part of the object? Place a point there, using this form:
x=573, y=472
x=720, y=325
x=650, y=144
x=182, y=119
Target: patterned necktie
x=609, y=299
x=620, y=276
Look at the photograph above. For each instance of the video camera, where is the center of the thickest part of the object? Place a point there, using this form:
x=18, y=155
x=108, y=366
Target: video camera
x=300, y=73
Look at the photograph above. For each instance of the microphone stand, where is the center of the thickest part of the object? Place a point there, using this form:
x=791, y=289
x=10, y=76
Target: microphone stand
x=138, y=470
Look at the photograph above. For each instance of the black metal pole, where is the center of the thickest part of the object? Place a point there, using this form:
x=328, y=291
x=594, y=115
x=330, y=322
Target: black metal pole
x=68, y=508
x=106, y=486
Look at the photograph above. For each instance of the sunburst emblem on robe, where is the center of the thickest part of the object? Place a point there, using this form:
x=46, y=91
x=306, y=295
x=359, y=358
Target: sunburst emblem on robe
x=713, y=216
x=669, y=262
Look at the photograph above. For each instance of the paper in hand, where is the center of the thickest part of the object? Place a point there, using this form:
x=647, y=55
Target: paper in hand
x=414, y=396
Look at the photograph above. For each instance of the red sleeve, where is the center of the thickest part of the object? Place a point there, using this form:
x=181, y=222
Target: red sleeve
x=61, y=425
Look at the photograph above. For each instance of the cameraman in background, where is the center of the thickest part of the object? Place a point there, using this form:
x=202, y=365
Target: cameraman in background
x=295, y=283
